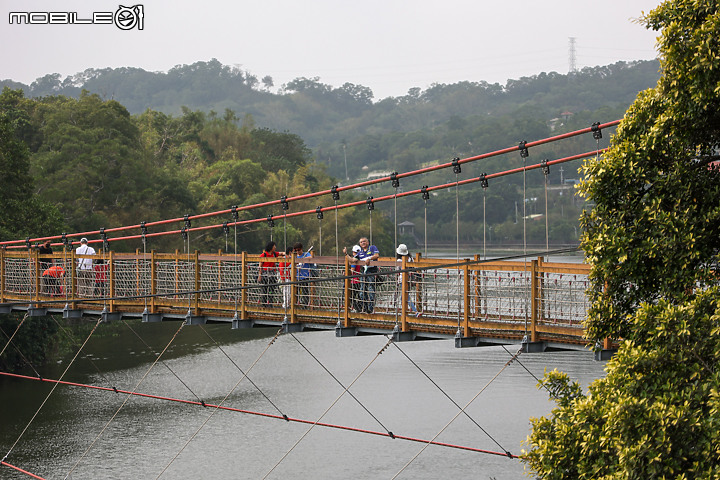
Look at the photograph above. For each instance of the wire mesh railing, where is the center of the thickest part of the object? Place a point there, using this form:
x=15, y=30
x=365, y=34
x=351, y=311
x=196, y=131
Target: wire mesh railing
x=528, y=298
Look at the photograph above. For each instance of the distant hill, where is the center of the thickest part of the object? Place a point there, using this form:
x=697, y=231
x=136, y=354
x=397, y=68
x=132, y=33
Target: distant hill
x=340, y=123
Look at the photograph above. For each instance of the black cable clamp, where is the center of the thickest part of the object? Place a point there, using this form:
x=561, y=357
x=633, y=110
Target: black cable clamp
x=104, y=239
x=143, y=228
x=184, y=233
x=483, y=180
x=187, y=221
x=523, y=149
x=395, y=179
x=545, y=167
x=286, y=418
x=27, y=243
x=271, y=222
x=65, y=240
x=226, y=229
x=597, y=133
x=319, y=212
x=284, y=202
x=202, y=402
x=335, y=193
x=456, y=165
x=115, y=389
x=370, y=204
x=391, y=435
x=235, y=213
x=425, y=193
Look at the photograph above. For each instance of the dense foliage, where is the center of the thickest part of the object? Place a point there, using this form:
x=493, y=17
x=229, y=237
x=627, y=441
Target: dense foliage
x=653, y=242
x=169, y=153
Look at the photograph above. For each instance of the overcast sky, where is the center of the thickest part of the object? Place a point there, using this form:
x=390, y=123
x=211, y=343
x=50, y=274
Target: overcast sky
x=387, y=45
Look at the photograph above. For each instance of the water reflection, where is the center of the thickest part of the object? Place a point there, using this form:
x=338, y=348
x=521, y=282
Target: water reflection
x=147, y=434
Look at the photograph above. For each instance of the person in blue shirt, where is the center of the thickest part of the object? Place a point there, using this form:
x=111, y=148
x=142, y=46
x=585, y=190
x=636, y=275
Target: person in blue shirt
x=304, y=272
x=367, y=254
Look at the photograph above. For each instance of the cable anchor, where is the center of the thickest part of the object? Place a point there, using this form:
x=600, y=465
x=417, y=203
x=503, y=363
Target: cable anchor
x=270, y=221
x=523, y=149
x=226, y=228
x=456, y=165
x=319, y=212
x=483, y=181
x=184, y=233
x=234, y=213
x=187, y=221
x=284, y=202
x=335, y=193
x=395, y=179
x=545, y=167
x=425, y=193
x=597, y=133
x=370, y=203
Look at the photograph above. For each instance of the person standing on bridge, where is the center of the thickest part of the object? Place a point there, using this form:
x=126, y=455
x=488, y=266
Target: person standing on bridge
x=304, y=271
x=367, y=254
x=86, y=279
x=267, y=276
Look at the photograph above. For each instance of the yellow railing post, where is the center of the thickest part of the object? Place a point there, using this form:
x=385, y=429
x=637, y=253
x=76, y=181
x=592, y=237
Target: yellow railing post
x=197, y=282
x=2, y=274
x=534, y=300
x=293, y=288
x=466, y=300
x=347, y=294
x=243, y=283
x=403, y=294
x=33, y=254
x=153, y=283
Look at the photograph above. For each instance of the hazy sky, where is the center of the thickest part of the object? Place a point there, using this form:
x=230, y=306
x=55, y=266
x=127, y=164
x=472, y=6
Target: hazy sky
x=387, y=45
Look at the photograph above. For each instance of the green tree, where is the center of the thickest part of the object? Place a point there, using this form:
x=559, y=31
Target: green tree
x=23, y=213
x=653, y=244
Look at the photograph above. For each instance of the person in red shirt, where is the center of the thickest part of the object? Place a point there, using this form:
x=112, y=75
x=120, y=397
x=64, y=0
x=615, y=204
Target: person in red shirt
x=267, y=276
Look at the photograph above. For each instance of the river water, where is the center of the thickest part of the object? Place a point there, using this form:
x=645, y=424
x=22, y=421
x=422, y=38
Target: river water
x=148, y=438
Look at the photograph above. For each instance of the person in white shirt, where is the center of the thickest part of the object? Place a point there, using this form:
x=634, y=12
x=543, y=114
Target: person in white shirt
x=85, y=270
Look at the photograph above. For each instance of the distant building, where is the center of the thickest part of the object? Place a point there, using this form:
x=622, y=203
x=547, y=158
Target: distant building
x=406, y=228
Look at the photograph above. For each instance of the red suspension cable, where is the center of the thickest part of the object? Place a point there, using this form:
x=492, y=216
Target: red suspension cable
x=32, y=475
x=267, y=415
x=12, y=243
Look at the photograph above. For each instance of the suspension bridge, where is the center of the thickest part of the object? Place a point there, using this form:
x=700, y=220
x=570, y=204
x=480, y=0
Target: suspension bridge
x=523, y=299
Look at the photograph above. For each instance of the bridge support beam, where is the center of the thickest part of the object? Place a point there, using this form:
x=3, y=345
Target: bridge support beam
x=239, y=323
x=604, y=354
x=148, y=317
x=288, y=327
x=191, y=319
x=108, y=316
x=399, y=336
x=71, y=313
x=345, y=331
x=533, y=347
x=35, y=311
x=5, y=309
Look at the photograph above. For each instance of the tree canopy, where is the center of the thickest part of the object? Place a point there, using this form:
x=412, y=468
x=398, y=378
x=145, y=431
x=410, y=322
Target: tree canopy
x=652, y=240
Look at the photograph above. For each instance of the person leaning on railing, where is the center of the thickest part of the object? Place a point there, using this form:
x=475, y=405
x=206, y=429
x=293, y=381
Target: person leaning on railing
x=364, y=257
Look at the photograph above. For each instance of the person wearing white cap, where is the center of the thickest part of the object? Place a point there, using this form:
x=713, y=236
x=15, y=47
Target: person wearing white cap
x=85, y=271
x=402, y=251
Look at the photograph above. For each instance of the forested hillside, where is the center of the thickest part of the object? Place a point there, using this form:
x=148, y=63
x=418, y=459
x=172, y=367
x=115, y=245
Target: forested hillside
x=117, y=146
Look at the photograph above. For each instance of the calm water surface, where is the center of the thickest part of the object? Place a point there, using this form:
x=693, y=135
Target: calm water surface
x=146, y=434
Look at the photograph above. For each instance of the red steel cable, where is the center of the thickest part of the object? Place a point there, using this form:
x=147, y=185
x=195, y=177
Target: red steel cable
x=21, y=470
x=267, y=415
x=322, y=192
